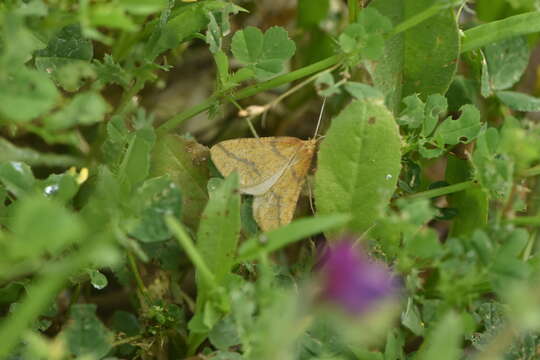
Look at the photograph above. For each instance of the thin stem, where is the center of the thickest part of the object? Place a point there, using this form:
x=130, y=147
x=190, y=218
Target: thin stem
x=136, y=273
x=442, y=190
x=524, y=220
x=187, y=244
x=251, y=90
x=353, y=10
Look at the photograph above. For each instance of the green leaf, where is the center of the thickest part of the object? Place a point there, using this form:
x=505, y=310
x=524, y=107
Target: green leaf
x=85, y=108
x=297, y=230
x=136, y=162
x=17, y=177
x=86, y=335
x=311, y=12
x=411, y=319
x=506, y=60
x=60, y=187
x=472, y=204
x=224, y=334
x=493, y=170
x=326, y=85
x=153, y=200
x=126, y=322
x=265, y=54
x=364, y=92
x=462, y=130
x=35, y=234
x=444, y=341
x=26, y=94
x=186, y=162
x=519, y=101
x=110, y=72
x=10, y=152
x=219, y=228
x=174, y=28
x=421, y=60
x=355, y=174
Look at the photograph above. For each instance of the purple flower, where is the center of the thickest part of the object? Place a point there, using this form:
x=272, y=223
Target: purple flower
x=353, y=281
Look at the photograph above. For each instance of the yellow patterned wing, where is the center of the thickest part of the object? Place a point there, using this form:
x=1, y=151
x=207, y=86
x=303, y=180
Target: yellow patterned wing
x=259, y=162
x=276, y=207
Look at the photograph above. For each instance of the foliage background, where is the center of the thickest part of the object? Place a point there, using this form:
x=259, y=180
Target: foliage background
x=119, y=239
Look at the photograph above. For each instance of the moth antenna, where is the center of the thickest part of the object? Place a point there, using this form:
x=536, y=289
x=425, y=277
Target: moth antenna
x=310, y=196
x=320, y=117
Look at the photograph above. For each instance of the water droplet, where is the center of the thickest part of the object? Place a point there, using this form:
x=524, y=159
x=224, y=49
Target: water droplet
x=17, y=166
x=99, y=286
x=388, y=176
x=51, y=189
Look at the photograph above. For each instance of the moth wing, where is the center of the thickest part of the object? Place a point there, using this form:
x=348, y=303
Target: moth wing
x=276, y=207
x=256, y=160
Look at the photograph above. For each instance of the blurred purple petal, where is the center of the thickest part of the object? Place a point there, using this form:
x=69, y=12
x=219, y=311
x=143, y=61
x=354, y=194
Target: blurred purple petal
x=353, y=281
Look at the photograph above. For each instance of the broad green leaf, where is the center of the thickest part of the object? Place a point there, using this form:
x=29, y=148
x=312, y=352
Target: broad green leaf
x=472, y=204
x=219, y=229
x=86, y=335
x=85, y=108
x=462, y=130
x=26, y=94
x=506, y=60
x=444, y=340
x=265, y=54
x=136, y=161
x=17, y=178
x=41, y=226
x=299, y=229
x=421, y=60
x=186, y=162
x=520, y=143
x=356, y=174
x=519, y=101
x=154, y=199
x=60, y=187
x=67, y=58
x=312, y=12
x=10, y=152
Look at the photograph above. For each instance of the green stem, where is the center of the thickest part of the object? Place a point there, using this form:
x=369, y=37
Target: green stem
x=353, y=10
x=187, y=244
x=250, y=91
x=534, y=171
x=126, y=98
x=482, y=35
x=136, y=274
x=524, y=220
x=442, y=190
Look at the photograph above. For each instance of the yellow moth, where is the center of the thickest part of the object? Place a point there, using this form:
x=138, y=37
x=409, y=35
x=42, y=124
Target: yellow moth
x=272, y=169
